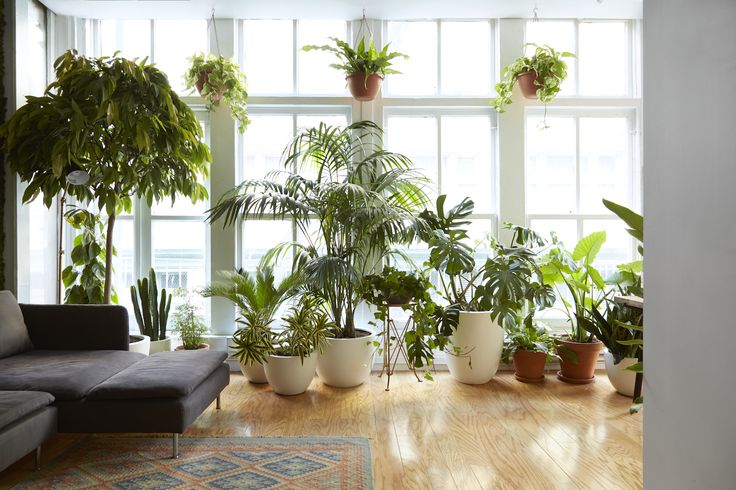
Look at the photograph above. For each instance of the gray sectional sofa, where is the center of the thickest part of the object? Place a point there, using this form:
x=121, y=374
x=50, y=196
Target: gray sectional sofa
x=69, y=365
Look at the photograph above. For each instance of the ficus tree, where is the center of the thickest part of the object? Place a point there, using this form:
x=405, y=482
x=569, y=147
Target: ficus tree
x=121, y=122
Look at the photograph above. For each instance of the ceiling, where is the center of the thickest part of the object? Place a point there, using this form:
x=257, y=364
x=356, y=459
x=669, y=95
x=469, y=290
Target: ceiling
x=347, y=9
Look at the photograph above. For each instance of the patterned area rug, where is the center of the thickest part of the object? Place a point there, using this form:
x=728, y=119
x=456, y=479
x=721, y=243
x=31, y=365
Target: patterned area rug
x=103, y=462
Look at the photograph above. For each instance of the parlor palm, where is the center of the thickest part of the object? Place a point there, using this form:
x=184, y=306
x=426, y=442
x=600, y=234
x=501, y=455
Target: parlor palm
x=361, y=198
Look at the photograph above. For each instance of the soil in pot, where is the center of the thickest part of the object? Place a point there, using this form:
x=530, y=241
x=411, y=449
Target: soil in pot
x=364, y=89
x=586, y=354
x=529, y=366
x=140, y=344
x=202, y=346
x=527, y=84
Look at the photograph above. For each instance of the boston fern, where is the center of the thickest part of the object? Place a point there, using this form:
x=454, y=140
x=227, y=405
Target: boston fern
x=549, y=66
x=361, y=59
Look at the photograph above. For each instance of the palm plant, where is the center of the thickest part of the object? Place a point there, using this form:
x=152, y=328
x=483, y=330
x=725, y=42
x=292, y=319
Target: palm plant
x=362, y=198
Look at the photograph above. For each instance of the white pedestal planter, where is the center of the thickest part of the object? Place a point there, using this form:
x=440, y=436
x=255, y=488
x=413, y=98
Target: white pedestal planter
x=255, y=373
x=160, y=345
x=288, y=376
x=481, y=341
x=347, y=362
x=621, y=378
x=140, y=343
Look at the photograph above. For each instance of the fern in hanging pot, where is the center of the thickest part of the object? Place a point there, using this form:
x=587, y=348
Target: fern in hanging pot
x=364, y=66
x=539, y=76
x=219, y=79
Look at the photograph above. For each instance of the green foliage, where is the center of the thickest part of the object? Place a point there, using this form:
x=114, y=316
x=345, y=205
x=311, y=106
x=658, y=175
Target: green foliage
x=221, y=79
x=120, y=121
x=394, y=287
x=634, y=220
x=361, y=59
x=84, y=280
x=528, y=337
x=549, y=66
x=305, y=330
x=152, y=312
x=362, y=199
x=188, y=321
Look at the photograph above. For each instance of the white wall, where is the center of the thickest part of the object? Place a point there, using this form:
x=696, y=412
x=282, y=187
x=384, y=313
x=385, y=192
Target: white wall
x=690, y=266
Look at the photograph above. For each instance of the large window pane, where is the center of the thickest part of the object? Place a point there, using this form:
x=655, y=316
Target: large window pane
x=178, y=253
x=174, y=42
x=466, y=58
x=131, y=37
x=550, y=169
x=467, y=163
x=560, y=35
x=618, y=248
x=264, y=143
x=315, y=74
x=124, y=264
x=416, y=137
x=603, y=59
x=259, y=236
x=419, y=72
x=565, y=229
x=269, y=56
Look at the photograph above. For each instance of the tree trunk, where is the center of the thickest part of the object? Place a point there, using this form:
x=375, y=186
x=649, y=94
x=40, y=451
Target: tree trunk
x=108, y=258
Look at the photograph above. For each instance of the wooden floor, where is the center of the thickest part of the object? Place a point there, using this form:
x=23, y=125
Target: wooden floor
x=443, y=434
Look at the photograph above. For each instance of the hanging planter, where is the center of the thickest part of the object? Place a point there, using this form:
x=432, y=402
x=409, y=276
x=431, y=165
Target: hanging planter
x=539, y=76
x=364, y=87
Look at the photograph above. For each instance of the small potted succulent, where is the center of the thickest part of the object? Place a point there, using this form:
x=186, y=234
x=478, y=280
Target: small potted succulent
x=217, y=79
x=529, y=347
x=539, y=76
x=152, y=312
x=189, y=324
x=365, y=67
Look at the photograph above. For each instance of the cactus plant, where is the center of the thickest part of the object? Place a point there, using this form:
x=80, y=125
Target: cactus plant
x=152, y=312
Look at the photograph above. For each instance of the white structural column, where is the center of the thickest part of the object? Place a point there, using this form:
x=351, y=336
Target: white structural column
x=222, y=144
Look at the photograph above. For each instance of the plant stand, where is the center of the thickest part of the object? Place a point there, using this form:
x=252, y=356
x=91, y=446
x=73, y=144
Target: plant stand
x=392, y=331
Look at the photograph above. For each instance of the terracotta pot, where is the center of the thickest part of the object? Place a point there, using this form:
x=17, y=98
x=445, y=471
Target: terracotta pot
x=529, y=366
x=202, y=346
x=582, y=371
x=364, y=89
x=200, y=86
x=526, y=84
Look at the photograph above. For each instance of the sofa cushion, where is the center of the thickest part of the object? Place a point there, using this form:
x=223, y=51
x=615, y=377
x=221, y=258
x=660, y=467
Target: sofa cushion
x=14, y=337
x=68, y=375
x=163, y=375
x=14, y=405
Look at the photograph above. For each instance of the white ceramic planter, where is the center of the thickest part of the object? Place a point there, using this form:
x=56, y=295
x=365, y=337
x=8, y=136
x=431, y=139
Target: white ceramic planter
x=288, y=376
x=347, y=362
x=160, y=345
x=255, y=373
x=482, y=340
x=142, y=346
x=621, y=378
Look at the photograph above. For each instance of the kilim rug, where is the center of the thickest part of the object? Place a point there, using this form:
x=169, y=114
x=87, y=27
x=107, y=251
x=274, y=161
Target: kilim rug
x=104, y=462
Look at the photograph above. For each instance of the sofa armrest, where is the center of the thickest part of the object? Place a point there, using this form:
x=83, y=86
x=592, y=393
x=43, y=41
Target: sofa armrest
x=77, y=327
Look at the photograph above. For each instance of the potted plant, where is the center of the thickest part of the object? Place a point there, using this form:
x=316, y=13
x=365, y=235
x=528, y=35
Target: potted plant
x=364, y=67
x=258, y=297
x=217, y=79
x=292, y=359
x=484, y=297
x=576, y=273
x=189, y=324
x=361, y=202
x=529, y=347
x=152, y=312
x=539, y=76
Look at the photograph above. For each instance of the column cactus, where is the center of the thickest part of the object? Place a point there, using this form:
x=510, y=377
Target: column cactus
x=152, y=311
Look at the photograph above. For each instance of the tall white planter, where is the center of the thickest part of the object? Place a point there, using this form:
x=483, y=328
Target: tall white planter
x=621, y=378
x=288, y=375
x=160, y=345
x=255, y=373
x=480, y=341
x=347, y=362
x=140, y=344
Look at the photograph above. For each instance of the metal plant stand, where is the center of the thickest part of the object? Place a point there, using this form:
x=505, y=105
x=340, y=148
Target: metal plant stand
x=393, y=333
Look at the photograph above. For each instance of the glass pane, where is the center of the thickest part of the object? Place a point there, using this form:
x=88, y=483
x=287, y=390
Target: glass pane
x=603, y=63
x=605, y=163
x=182, y=206
x=131, y=37
x=467, y=162
x=550, y=167
x=36, y=62
x=264, y=143
x=261, y=236
x=37, y=258
x=560, y=35
x=178, y=253
x=480, y=233
x=124, y=265
x=466, y=58
x=418, y=40
x=565, y=229
x=315, y=74
x=265, y=42
x=174, y=42
x=618, y=248
x=416, y=137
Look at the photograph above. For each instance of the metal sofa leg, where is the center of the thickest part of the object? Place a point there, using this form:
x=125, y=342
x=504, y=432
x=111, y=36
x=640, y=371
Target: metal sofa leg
x=38, y=458
x=176, y=447
x=219, y=401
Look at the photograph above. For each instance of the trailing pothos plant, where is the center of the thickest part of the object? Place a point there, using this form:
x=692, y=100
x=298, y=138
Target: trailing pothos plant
x=217, y=79
x=546, y=63
x=364, y=58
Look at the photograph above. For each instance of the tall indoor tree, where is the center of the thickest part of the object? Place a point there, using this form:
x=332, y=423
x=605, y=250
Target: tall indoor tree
x=121, y=122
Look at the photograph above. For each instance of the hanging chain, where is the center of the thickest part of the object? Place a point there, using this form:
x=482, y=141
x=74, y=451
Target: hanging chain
x=212, y=23
x=365, y=27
